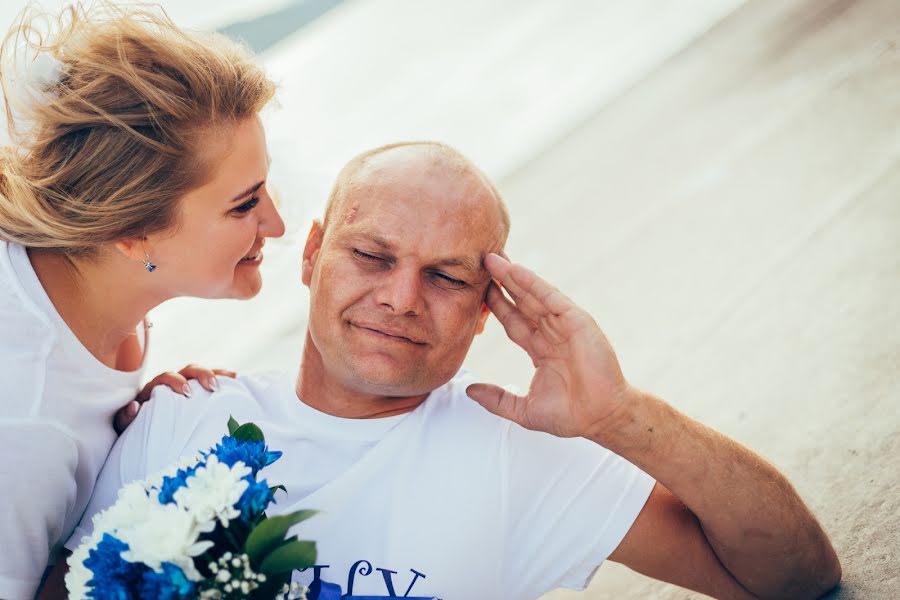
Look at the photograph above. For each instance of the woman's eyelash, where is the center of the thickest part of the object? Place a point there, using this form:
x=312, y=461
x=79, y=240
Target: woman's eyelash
x=247, y=206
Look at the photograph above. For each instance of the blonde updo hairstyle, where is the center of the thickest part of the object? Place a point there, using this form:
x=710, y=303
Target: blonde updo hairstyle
x=104, y=148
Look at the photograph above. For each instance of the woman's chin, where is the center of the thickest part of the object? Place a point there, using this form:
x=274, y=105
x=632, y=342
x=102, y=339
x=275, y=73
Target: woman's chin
x=244, y=286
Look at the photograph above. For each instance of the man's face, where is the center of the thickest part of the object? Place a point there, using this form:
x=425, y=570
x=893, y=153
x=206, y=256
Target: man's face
x=397, y=283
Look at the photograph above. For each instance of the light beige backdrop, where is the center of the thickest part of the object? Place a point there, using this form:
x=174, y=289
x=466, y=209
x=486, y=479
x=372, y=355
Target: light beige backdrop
x=717, y=181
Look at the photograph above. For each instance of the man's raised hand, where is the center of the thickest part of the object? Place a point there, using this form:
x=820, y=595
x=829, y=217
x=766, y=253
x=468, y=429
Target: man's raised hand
x=577, y=382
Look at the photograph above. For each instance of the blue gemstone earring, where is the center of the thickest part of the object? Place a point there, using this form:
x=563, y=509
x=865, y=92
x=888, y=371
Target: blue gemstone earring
x=147, y=264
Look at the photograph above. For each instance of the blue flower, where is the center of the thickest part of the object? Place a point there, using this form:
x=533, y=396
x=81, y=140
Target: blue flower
x=114, y=577
x=255, y=499
x=170, y=584
x=253, y=454
x=170, y=485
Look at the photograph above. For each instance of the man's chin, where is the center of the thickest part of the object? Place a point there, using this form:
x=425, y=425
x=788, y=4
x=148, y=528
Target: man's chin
x=396, y=385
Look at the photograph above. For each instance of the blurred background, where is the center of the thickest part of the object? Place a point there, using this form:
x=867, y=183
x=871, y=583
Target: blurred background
x=717, y=181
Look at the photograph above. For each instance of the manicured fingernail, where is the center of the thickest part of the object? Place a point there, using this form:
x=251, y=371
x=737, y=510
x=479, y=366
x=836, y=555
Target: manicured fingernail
x=133, y=409
x=214, y=383
x=186, y=390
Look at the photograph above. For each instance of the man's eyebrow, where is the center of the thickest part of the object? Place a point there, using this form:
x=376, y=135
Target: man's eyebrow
x=376, y=239
x=248, y=191
x=470, y=264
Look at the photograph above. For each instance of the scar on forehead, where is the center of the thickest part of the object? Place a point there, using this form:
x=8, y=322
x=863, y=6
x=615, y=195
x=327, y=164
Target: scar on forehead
x=351, y=214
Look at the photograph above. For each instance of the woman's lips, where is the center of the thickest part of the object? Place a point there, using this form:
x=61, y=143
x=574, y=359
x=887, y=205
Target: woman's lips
x=252, y=259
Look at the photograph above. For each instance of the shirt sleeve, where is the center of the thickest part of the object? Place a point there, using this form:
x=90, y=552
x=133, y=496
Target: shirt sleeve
x=568, y=504
x=39, y=489
x=167, y=426
x=135, y=455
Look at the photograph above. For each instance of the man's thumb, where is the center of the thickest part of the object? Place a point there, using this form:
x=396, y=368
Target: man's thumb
x=495, y=399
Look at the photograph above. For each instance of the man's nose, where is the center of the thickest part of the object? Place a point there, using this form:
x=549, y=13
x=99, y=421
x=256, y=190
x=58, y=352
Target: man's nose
x=270, y=222
x=401, y=291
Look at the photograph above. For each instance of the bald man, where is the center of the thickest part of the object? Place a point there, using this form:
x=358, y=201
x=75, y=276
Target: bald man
x=433, y=484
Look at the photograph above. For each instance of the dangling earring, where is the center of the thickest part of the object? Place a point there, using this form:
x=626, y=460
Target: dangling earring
x=147, y=264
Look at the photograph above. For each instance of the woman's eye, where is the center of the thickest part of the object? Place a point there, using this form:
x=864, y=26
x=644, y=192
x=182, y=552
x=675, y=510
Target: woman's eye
x=247, y=206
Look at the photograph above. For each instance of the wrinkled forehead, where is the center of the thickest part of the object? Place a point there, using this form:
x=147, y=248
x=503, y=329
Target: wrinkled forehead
x=419, y=196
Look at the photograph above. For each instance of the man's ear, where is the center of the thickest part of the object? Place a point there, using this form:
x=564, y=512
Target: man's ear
x=482, y=318
x=311, y=250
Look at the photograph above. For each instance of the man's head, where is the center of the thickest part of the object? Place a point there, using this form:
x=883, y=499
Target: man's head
x=396, y=272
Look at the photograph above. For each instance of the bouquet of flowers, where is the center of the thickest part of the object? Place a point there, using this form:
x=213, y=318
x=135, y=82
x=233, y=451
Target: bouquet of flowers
x=196, y=530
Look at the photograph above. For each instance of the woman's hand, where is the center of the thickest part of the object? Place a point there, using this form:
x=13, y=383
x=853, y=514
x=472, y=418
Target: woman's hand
x=179, y=384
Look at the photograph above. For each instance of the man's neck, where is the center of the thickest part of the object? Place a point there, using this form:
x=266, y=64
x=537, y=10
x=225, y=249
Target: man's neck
x=317, y=389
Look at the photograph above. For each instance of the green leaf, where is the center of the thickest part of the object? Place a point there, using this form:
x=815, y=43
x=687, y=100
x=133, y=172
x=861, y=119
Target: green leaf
x=249, y=432
x=232, y=425
x=275, y=488
x=292, y=555
x=269, y=534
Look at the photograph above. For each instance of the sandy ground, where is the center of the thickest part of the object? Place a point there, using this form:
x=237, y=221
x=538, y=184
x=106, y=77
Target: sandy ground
x=716, y=182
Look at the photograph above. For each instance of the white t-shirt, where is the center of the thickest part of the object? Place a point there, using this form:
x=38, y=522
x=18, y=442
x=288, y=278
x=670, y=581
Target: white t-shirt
x=58, y=403
x=447, y=500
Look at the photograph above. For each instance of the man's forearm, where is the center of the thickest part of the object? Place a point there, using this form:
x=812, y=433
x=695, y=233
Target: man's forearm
x=753, y=519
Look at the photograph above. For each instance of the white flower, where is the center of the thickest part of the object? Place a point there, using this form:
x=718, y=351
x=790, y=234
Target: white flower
x=213, y=491
x=130, y=506
x=79, y=575
x=155, y=481
x=165, y=533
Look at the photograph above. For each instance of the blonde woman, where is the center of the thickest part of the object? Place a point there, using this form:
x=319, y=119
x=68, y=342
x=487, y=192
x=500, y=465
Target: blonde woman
x=136, y=174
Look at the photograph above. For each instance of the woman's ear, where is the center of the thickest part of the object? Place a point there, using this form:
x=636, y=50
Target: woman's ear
x=131, y=249
x=311, y=251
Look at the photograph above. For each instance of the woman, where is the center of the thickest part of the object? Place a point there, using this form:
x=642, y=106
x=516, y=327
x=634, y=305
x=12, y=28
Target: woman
x=137, y=174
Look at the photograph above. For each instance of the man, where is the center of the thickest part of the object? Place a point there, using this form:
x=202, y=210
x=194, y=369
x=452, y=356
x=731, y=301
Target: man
x=422, y=491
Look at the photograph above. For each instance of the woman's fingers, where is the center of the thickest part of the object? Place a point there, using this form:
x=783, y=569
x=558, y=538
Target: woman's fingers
x=206, y=377
x=126, y=415
x=177, y=382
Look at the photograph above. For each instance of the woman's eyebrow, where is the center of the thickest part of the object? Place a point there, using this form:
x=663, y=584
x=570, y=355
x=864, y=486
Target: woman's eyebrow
x=248, y=191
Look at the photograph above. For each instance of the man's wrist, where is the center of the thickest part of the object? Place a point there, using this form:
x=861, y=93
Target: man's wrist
x=620, y=424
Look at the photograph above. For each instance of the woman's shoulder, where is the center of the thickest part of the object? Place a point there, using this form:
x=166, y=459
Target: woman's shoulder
x=25, y=343
x=16, y=304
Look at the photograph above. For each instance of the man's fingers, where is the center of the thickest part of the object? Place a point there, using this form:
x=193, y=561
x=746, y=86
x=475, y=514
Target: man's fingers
x=518, y=328
x=496, y=400
x=125, y=416
x=502, y=271
x=533, y=296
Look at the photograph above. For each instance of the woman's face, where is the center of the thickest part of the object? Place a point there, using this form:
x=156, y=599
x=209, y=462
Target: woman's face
x=216, y=248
